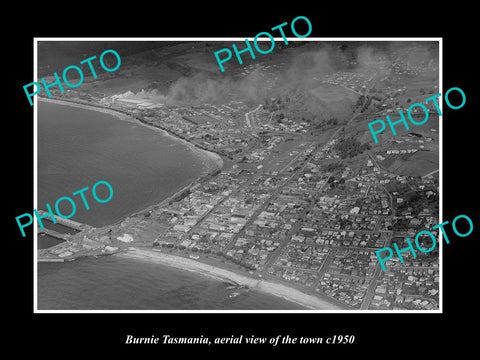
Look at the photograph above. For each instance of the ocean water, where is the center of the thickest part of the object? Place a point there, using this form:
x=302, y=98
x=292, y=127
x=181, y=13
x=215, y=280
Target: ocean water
x=44, y=241
x=77, y=148
x=114, y=283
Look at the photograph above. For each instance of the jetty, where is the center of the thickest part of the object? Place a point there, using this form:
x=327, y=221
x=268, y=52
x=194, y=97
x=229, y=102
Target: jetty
x=68, y=222
x=47, y=259
x=65, y=250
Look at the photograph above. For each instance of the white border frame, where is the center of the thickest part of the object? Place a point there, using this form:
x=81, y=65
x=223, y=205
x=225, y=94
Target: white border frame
x=307, y=311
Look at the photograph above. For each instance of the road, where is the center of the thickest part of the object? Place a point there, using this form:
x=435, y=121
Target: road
x=373, y=281
x=272, y=258
x=431, y=173
x=249, y=117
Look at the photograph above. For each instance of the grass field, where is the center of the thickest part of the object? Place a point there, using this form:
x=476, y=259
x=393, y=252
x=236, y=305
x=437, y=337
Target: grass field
x=418, y=164
x=334, y=94
x=336, y=100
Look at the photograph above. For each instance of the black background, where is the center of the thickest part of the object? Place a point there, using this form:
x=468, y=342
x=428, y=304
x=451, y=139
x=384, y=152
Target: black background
x=376, y=334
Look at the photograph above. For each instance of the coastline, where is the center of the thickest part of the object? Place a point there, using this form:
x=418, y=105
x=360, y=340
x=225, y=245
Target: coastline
x=213, y=162
x=210, y=159
x=265, y=286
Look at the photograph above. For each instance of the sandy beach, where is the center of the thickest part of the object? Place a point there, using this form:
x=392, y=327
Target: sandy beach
x=210, y=159
x=269, y=287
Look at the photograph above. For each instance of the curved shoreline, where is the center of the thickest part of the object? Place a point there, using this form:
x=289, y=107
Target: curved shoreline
x=214, y=158
x=215, y=162
x=220, y=274
x=211, y=161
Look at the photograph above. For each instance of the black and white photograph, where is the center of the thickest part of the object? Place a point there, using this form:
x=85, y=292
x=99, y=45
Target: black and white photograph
x=219, y=181
x=263, y=187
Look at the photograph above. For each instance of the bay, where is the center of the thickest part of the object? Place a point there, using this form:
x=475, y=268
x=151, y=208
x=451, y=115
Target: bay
x=79, y=147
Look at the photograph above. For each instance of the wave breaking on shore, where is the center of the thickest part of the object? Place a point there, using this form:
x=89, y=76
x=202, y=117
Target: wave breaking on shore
x=269, y=287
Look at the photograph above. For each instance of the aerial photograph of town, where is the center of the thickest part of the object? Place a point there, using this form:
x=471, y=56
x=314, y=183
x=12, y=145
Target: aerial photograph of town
x=257, y=188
